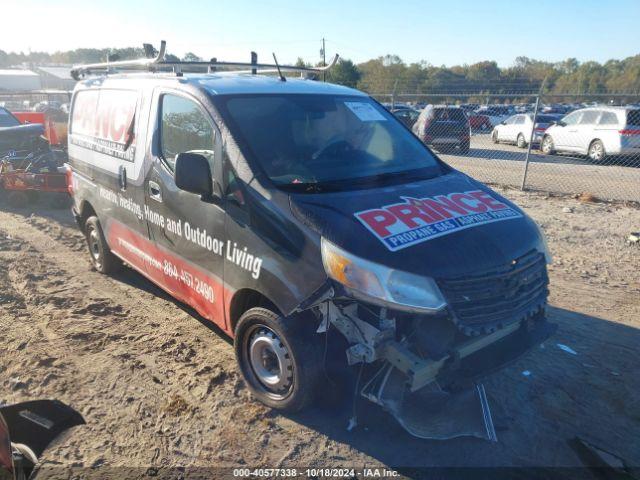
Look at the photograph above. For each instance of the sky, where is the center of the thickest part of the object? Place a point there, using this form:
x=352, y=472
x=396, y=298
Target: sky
x=441, y=32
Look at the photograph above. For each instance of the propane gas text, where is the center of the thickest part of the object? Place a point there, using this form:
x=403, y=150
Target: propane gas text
x=416, y=220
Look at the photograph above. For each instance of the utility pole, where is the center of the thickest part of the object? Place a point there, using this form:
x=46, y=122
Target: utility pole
x=324, y=61
x=533, y=127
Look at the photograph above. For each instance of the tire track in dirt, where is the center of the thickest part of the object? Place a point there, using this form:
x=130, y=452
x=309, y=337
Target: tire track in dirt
x=158, y=388
x=128, y=360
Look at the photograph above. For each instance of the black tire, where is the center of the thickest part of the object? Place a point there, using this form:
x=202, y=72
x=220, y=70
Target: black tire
x=521, y=142
x=596, y=152
x=547, y=146
x=494, y=137
x=464, y=148
x=289, y=343
x=99, y=252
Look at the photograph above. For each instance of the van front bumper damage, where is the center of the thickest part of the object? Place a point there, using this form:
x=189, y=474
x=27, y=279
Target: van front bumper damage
x=432, y=398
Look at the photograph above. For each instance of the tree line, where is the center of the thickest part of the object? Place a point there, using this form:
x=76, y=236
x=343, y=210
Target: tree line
x=388, y=74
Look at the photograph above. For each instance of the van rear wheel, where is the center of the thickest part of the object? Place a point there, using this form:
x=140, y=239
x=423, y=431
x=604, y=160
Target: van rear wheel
x=279, y=359
x=101, y=257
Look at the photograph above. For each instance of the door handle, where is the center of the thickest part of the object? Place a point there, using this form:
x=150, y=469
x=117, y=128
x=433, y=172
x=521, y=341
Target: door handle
x=122, y=178
x=154, y=192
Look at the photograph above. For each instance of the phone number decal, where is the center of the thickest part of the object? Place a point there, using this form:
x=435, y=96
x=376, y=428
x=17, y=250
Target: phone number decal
x=186, y=278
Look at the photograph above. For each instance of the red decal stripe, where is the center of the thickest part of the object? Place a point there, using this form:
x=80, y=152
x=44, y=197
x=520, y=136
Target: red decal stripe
x=183, y=280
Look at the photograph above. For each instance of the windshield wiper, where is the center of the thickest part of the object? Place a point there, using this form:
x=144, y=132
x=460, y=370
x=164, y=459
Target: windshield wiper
x=405, y=175
x=301, y=187
x=346, y=183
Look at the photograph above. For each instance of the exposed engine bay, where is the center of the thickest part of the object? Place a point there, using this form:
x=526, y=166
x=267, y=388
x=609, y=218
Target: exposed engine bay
x=424, y=368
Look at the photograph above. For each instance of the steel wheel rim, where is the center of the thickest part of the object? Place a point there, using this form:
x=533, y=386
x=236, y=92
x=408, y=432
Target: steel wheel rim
x=94, y=246
x=546, y=145
x=270, y=361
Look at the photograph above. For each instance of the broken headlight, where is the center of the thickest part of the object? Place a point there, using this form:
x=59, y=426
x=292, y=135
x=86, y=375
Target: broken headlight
x=379, y=284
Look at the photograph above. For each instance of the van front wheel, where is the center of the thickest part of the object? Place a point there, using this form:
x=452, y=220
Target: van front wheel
x=279, y=359
x=101, y=257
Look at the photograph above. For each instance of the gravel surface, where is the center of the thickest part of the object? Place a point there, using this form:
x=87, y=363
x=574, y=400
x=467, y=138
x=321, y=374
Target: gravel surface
x=158, y=387
x=504, y=164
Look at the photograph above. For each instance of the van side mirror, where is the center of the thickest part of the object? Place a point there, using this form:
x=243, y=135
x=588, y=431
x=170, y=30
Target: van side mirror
x=193, y=174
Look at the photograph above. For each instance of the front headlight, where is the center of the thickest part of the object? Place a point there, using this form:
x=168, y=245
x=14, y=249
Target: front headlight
x=379, y=284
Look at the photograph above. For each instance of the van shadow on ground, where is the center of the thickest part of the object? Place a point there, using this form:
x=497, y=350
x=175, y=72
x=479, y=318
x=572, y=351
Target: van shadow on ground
x=592, y=395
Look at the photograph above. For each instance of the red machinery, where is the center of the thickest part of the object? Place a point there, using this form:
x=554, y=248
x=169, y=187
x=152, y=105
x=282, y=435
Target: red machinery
x=56, y=132
x=21, y=186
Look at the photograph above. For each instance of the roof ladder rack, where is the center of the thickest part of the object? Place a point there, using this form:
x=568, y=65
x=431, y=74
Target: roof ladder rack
x=156, y=63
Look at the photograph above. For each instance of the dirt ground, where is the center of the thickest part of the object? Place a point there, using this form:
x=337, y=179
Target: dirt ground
x=159, y=387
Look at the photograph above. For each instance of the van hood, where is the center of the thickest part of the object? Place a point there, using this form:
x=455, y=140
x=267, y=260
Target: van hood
x=444, y=227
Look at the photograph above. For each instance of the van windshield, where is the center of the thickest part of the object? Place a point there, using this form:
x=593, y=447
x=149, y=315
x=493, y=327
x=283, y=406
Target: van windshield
x=324, y=140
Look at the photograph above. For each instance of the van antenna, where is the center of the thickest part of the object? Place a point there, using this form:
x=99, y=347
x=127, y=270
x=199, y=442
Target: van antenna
x=254, y=61
x=282, y=78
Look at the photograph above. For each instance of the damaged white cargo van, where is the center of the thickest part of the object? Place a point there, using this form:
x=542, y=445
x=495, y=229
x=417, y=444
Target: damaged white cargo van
x=314, y=228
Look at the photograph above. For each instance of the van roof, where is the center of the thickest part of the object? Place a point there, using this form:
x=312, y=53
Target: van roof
x=224, y=83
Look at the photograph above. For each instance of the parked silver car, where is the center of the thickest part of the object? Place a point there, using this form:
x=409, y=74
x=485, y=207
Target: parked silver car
x=597, y=132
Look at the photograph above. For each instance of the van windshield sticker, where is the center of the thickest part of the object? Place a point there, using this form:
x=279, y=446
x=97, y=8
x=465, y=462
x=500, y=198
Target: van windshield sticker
x=365, y=112
x=416, y=220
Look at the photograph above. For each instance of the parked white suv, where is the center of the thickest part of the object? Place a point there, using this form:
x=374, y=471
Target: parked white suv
x=597, y=132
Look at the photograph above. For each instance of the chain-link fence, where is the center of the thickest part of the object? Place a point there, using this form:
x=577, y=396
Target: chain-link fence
x=562, y=143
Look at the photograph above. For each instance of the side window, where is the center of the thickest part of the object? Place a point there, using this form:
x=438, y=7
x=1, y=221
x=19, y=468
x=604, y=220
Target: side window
x=572, y=118
x=589, y=117
x=185, y=127
x=83, y=112
x=519, y=119
x=608, y=118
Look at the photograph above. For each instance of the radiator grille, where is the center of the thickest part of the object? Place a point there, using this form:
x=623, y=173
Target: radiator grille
x=483, y=303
